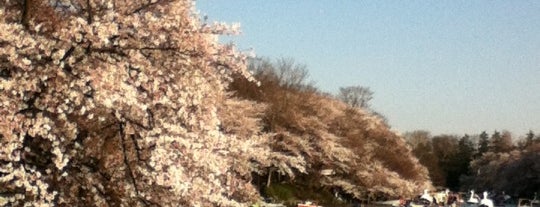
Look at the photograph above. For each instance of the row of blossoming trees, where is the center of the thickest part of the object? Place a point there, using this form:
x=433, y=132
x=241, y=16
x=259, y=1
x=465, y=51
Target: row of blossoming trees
x=364, y=156
x=125, y=103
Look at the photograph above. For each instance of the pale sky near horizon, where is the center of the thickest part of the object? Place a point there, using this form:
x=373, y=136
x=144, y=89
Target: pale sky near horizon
x=448, y=66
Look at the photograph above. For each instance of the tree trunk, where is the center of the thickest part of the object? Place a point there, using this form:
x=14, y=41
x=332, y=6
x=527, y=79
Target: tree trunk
x=269, y=177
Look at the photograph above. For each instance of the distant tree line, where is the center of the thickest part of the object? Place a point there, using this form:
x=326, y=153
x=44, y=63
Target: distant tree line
x=494, y=162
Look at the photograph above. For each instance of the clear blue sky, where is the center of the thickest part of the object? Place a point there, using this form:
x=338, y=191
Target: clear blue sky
x=443, y=66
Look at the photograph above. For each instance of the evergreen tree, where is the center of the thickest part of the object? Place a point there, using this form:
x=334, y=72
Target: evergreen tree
x=500, y=142
x=494, y=140
x=483, y=144
x=464, y=155
x=446, y=150
x=529, y=138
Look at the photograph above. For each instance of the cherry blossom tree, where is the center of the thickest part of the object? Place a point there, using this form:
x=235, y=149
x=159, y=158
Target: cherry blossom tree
x=118, y=103
x=363, y=157
x=383, y=163
x=125, y=103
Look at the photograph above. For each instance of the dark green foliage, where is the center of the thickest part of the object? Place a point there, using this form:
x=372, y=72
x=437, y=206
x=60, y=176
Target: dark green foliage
x=496, y=165
x=464, y=156
x=524, y=174
x=483, y=144
x=424, y=153
x=500, y=142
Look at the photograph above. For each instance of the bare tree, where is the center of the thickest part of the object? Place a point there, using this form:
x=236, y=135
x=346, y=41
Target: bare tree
x=417, y=137
x=356, y=96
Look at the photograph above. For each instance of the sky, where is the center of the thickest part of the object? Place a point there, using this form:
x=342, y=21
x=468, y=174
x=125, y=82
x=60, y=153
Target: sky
x=445, y=66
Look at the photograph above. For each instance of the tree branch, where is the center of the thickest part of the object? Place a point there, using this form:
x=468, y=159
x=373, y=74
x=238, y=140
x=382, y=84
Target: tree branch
x=144, y=6
x=90, y=17
x=136, y=145
x=131, y=174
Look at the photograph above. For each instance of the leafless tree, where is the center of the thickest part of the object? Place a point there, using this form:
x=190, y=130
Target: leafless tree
x=356, y=96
